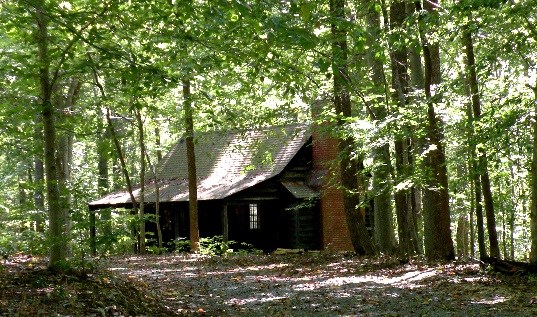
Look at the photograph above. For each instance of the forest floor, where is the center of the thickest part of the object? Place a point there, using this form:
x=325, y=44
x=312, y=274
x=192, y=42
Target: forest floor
x=311, y=284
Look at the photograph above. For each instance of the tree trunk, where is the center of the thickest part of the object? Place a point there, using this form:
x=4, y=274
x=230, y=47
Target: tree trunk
x=103, y=153
x=124, y=170
x=400, y=88
x=349, y=168
x=462, y=237
x=64, y=152
x=533, y=205
x=382, y=185
x=416, y=84
x=478, y=208
x=39, y=175
x=472, y=210
x=157, y=202
x=119, y=152
x=57, y=222
x=513, y=201
x=23, y=197
x=192, y=177
x=141, y=205
x=482, y=161
x=477, y=201
x=437, y=222
x=157, y=144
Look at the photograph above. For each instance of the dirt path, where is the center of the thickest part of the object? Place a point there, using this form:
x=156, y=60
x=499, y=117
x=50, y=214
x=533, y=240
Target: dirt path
x=324, y=285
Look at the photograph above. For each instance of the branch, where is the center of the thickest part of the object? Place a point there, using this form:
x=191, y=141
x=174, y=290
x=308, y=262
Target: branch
x=75, y=39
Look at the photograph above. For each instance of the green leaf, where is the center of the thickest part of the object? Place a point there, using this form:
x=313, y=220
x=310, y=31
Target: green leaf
x=305, y=11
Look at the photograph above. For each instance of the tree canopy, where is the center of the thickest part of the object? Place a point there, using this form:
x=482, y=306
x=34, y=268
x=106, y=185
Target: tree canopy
x=433, y=106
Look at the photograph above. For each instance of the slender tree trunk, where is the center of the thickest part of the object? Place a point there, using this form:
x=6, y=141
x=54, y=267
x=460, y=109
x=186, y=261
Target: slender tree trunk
x=382, y=185
x=400, y=88
x=437, y=222
x=482, y=160
x=141, y=205
x=504, y=233
x=417, y=83
x=479, y=210
x=477, y=202
x=39, y=175
x=23, y=197
x=192, y=177
x=513, y=201
x=57, y=222
x=119, y=153
x=124, y=170
x=349, y=168
x=157, y=202
x=64, y=152
x=472, y=210
x=533, y=205
x=158, y=144
x=103, y=153
x=157, y=190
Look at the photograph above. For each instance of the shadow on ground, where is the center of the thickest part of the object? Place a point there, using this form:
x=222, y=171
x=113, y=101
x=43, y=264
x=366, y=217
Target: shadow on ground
x=318, y=284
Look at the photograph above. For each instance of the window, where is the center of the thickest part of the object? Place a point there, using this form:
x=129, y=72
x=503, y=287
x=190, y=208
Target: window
x=254, y=217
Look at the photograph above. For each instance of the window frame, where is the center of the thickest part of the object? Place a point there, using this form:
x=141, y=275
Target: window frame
x=253, y=216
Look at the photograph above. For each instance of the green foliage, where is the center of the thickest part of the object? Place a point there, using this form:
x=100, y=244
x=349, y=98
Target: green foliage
x=214, y=246
x=180, y=245
x=251, y=65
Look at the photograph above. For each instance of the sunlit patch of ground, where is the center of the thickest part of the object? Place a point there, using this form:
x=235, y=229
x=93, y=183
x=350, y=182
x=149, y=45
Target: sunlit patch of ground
x=325, y=285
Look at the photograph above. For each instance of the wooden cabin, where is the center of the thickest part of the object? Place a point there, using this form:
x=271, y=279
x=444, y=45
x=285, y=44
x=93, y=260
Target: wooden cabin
x=270, y=188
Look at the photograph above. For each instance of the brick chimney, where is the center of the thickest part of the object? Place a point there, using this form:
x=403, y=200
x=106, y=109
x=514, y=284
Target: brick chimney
x=334, y=233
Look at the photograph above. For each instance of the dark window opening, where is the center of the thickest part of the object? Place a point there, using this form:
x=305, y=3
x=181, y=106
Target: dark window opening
x=254, y=216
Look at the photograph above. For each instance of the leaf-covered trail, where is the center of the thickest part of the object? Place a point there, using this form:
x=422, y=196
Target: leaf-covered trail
x=317, y=284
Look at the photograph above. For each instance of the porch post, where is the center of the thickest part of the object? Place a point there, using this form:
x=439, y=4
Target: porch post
x=225, y=225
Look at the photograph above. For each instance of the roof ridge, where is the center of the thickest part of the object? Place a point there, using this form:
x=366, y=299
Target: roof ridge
x=249, y=129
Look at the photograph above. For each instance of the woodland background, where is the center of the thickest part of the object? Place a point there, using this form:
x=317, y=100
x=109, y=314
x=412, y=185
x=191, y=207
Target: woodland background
x=433, y=104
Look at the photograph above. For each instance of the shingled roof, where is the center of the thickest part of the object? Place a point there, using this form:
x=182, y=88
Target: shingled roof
x=226, y=163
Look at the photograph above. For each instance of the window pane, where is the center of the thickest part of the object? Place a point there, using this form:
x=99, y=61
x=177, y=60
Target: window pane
x=254, y=217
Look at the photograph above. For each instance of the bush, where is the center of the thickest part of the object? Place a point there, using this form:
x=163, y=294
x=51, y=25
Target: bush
x=213, y=246
x=180, y=245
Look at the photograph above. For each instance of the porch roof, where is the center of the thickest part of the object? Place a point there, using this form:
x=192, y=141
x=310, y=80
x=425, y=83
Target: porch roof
x=226, y=163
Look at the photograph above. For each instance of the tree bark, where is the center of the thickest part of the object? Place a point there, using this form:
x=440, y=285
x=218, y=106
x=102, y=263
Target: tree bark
x=482, y=167
x=192, y=177
x=416, y=84
x=533, y=205
x=472, y=211
x=478, y=207
x=39, y=175
x=141, y=203
x=349, y=168
x=400, y=88
x=124, y=170
x=57, y=222
x=119, y=152
x=382, y=185
x=158, y=144
x=64, y=152
x=103, y=186
x=437, y=222
x=157, y=202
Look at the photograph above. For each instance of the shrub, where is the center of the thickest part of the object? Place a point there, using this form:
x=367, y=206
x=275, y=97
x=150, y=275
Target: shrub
x=213, y=246
x=179, y=245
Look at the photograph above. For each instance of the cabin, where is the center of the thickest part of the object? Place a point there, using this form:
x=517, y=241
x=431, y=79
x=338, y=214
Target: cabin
x=272, y=188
